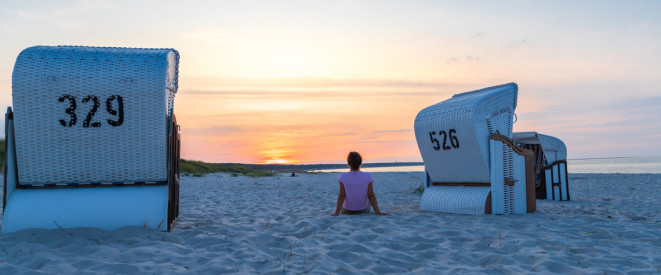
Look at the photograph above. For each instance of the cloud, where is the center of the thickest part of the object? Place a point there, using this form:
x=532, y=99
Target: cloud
x=393, y=131
x=344, y=95
x=339, y=135
x=468, y=58
x=28, y=16
x=306, y=85
x=211, y=131
x=651, y=102
x=387, y=141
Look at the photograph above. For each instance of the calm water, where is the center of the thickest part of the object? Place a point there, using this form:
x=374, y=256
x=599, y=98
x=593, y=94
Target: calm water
x=633, y=165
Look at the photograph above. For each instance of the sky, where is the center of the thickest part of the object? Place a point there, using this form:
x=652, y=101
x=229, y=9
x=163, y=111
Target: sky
x=309, y=81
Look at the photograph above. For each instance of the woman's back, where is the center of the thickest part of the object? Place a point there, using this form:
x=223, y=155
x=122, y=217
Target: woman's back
x=355, y=185
x=356, y=190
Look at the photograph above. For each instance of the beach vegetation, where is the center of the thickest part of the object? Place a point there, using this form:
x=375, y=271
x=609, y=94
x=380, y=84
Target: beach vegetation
x=193, y=168
x=419, y=190
x=309, y=172
x=199, y=168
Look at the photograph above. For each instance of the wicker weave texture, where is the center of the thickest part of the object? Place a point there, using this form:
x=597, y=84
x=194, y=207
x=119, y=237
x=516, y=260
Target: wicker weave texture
x=554, y=149
x=125, y=139
x=454, y=199
x=472, y=116
x=506, y=164
x=499, y=205
x=519, y=192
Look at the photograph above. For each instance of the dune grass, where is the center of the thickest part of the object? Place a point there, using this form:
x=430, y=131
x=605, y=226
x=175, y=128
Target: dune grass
x=198, y=168
x=419, y=190
x=189, y=167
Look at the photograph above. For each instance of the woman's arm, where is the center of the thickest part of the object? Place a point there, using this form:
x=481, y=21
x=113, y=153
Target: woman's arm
x=372, y=197
x=340, y=200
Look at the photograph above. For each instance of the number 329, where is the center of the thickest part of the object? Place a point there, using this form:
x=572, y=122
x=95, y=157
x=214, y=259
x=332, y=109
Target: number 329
x=113, y=110
x=451, y=135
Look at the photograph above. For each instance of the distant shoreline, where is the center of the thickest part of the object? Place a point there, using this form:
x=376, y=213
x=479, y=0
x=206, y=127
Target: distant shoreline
x=306, y=167
x=310, y=167
x=616, y=157
x=581, y=162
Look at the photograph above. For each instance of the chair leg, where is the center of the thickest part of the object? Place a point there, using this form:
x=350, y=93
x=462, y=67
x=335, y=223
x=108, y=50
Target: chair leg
x=487, y=205
x=10, y=168
x=174, y=144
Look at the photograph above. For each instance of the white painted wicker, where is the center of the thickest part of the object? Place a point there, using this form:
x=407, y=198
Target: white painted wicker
x=455, y=199
x=506, y=164
x=555, y=155
x=473, y=116
x=56, y=144
x=453, y=138
x=554, y=149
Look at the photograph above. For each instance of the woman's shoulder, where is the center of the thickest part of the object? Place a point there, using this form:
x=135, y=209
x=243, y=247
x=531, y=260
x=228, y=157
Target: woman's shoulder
x=354, y=173
x=366, y=174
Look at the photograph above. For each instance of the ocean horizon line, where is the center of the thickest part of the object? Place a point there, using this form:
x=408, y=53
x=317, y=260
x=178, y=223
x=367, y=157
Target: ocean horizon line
x=398, y=163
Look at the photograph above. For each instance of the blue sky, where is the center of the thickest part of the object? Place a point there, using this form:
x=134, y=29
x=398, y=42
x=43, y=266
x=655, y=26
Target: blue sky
x=305, y=74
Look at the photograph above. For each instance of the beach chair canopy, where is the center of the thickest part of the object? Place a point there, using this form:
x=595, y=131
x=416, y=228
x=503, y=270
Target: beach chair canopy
x=470, y=161
x=453, y=135
x=552, y=178
x=92, y=117
x=554, y=149
x=80, y=112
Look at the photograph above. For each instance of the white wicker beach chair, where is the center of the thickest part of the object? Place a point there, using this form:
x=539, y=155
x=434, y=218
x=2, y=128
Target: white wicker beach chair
x=92, y=140
x=552, y=179
x=471, y=163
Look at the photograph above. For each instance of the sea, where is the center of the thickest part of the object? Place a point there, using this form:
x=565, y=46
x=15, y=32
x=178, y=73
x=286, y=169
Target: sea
x=622, y=165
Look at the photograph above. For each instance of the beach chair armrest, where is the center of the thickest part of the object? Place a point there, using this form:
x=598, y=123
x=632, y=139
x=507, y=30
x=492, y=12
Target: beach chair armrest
x=510, y=143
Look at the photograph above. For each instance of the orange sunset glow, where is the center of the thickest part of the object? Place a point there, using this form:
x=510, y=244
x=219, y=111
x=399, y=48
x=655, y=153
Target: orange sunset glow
x=290, y=126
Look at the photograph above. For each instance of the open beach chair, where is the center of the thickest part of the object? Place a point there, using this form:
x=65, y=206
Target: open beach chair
x=551, y=177
x=471, y=162
x=92, y=140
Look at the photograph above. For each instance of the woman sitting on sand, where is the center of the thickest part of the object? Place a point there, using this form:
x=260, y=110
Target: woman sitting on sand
x=356, y=193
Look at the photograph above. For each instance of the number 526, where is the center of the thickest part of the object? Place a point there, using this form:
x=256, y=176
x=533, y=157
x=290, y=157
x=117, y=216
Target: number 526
x=451, y=135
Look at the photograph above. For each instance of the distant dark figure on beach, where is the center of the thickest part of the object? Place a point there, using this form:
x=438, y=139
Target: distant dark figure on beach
x=293, y=174
x=356, y=192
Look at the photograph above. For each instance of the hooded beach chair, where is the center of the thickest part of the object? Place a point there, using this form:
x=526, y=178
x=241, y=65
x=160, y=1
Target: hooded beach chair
x=471, y=162
x=551, y=177
x=92, y=140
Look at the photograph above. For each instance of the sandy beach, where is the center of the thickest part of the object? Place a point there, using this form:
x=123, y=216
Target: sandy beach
x=281, y=225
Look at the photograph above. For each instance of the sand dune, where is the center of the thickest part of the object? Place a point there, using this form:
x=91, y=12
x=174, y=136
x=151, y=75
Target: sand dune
x=271, y=225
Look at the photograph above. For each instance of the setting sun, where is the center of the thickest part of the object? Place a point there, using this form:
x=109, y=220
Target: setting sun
x=277, y=161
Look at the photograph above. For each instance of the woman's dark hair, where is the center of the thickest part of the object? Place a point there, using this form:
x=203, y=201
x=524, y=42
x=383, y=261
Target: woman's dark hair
x=354, y=160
